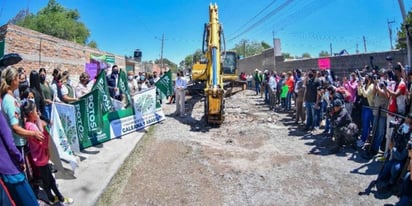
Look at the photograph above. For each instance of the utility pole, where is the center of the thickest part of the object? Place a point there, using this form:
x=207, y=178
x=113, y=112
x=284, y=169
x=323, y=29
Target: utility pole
x=274, y=51
x=161, y=51
x=390, y=32
x=244, y=49
x=357, y=48
x=330, y=47
x=364, y=43
x=408, y=36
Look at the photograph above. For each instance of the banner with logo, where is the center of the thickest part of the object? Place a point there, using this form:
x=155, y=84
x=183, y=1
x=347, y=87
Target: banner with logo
x=67, y=114
x=144, y=113
x=59, y=136
x=101, y=86
x=165, y=84
x=89, y=120
x=124, y=87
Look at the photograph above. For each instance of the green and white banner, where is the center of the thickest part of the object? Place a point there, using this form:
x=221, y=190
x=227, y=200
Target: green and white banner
x=143, y=114
x=89, y=120
x=67, y=114
x=101, y=86
x=92, y=120
x=165, y=84
x=59, y=136
x=124, y=87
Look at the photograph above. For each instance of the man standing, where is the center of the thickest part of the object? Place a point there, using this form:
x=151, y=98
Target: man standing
x=311, y=89
x=112, y=80
x=180, y=86
x=258, y=80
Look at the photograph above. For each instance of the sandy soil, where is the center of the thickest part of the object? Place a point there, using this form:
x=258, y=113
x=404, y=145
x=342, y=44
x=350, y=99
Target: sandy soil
x=256, y=157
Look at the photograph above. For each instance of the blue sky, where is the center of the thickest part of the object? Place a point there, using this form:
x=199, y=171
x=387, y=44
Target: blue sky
x=121, y=26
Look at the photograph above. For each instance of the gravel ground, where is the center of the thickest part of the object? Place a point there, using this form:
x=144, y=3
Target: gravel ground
x=256, y=157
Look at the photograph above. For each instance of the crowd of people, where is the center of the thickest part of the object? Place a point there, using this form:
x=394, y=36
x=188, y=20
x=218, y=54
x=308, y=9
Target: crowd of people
x=25, y=118
x=370, y=110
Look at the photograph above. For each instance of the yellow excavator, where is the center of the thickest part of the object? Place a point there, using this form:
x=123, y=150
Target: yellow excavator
x=218, y=67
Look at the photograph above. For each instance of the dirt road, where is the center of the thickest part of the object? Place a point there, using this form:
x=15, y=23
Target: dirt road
x=256, y=157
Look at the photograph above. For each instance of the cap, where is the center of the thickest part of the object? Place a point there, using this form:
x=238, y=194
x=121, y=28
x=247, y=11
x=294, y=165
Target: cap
x=266, y=71
x=337, y=103
x=388, y=58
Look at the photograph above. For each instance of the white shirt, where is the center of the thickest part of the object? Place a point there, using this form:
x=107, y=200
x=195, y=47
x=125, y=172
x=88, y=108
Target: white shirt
x=81, y=90
x=180, y=83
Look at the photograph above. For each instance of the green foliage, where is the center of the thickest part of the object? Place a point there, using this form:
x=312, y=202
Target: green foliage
x=265, y=45
x=193, y=58
x=55, y=20
x=248, y=48
x=401, y=42
x=323, y=54
x=92, y=44
x=287, y=55
x=167, y=62
x=306, y=55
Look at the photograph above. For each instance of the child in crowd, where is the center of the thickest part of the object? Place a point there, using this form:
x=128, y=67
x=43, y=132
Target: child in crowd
x=40, y=153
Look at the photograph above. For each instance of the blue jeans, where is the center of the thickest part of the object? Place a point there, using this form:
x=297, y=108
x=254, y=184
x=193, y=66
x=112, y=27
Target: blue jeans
x=257, y=88
x=309, y=114
x=404, y=200
x=391, y=170
x=380, y=132
x=316, y=117
x=267, y=94
x=367, y=119
x=249, y=84
x=289, y=100
x=21, y=193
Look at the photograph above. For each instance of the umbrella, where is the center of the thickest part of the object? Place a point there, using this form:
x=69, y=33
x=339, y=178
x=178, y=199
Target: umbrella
x=10, y=59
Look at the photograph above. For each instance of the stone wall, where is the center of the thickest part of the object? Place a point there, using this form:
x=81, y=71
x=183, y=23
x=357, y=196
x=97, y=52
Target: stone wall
x=41, y=50
x=339, y=64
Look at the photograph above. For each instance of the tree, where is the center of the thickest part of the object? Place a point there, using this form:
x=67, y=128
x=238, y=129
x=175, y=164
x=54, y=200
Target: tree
x=265, y=45
x=306, y=55
x=248, y=48
x=172, y=66
x=92, y=44
x=287, y=56
x=193, y=58
x=323, y=54
x=401, y=42
x=55, y=20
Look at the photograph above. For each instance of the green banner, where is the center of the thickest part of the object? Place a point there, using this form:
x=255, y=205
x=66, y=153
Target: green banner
x=89, y=120
x=103, y=58
x=101, y=85
x=124, y=86
x=165, y=84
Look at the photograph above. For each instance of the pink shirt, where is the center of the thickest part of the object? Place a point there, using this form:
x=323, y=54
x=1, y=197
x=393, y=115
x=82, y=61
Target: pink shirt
x=39, y=149
x=351, y=87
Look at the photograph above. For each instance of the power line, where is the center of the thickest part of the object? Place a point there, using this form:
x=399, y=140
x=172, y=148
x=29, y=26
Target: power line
x=254, y=17
x=273, y=12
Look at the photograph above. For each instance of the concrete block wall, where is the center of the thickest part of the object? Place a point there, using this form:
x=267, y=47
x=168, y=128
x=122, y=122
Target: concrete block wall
x=341, y=65
x=41, y=50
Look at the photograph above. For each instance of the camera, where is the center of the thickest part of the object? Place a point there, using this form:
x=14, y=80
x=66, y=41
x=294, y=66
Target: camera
x=393, y=124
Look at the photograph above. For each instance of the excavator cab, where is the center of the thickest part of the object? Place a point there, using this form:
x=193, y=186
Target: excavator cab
x=229, y=65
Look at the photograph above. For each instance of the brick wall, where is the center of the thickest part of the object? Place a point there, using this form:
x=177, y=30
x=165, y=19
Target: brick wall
x=339, y=64
x=41, y=50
